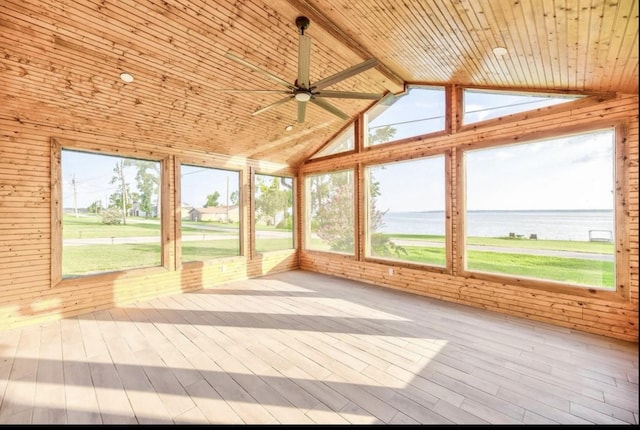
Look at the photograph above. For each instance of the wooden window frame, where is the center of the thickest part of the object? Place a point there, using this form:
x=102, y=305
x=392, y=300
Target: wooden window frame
x=179, y=162
x=448, y=242
x=356, y=210
x=253, y=211
x=621, y=250
x=57, y=145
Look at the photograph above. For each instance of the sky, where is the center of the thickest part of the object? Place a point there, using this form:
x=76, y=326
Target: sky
x=556, y=174
x=93, y=173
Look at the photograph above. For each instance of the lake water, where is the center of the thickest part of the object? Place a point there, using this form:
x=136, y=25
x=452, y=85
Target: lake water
x=546, y=224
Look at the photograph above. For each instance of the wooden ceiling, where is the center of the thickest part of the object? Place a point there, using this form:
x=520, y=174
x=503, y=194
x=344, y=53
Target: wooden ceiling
x=61, y=61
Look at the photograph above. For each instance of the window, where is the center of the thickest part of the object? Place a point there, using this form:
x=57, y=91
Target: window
x=110, y=218
x=419, y=111
x=406, y=211
x=342, y=143
x=543, y=209
x=481, y=105
x=273, y=213
x=330, y=212
x=209, y=213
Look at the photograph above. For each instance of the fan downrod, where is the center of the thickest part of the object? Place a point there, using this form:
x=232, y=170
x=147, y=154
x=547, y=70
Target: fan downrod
x=302, y=22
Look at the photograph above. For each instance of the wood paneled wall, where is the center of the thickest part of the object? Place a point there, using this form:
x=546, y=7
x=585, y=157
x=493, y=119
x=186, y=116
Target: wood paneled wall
x=27, y=241
x=609, y=314
x=27, y=295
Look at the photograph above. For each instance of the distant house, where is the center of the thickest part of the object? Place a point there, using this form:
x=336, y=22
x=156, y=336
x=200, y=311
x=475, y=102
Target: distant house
x=215, y=213
x=185, y=211
x=137, y=211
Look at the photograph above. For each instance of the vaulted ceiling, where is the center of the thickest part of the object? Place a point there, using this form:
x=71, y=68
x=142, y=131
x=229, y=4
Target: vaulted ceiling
x=61, y=61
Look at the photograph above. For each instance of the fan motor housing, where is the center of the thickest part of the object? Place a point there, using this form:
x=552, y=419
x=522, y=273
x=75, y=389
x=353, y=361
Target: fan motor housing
x=302, y=22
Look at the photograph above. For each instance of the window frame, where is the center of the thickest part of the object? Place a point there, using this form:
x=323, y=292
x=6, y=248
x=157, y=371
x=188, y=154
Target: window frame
x=448, y=242
x=60, y=144
x=364, y=126
x=318, y=155
x=573, y=97
x=179, y=162
x=621, y=257
x=294, y=191
x=306, y=208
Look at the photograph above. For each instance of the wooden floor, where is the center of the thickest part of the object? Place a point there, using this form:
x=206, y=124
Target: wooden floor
x=301, y=347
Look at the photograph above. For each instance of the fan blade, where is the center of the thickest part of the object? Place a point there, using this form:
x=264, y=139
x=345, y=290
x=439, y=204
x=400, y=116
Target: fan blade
x=224, y=90
x=304, y=60
x=351, y=71
x=272, y=105
x=348, y=95
x=302, y=109
x=259, y=70
x=331, y=108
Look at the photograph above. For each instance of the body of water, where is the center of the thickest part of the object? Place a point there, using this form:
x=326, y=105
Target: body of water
x=546, y=224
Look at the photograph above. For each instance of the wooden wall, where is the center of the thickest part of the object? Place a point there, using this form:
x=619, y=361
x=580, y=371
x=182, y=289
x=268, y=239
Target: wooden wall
x=28, y=243
x=605, y=313
x=28, y=296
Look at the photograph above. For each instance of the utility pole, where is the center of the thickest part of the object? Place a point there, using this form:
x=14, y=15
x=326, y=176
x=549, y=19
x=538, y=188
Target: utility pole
x=75, y=195
x=124, y=193
x=227, y=198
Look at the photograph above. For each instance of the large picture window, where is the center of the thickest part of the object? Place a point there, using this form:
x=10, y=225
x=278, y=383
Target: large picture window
x=544, y=209
x=273, y=212
x=110, y=218
x=330, y=212
x=210, y=213
x=406, y=211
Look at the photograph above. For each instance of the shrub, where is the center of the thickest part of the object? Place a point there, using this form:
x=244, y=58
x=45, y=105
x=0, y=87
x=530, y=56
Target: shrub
x=111, y=216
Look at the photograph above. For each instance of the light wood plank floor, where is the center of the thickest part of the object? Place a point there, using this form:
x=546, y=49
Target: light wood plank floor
x=306, y=348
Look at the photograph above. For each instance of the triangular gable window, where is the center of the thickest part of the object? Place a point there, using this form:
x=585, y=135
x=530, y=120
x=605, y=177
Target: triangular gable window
x=482, y=105
x=418, y=111
x=342, y=143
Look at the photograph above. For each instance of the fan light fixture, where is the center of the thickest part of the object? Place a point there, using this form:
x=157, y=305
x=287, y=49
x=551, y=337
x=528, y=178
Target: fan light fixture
x=303, y=96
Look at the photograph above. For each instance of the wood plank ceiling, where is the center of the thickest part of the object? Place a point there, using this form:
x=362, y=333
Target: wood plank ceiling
x=61, y=60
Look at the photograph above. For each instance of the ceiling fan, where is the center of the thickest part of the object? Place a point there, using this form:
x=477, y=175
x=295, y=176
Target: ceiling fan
x=302, y=90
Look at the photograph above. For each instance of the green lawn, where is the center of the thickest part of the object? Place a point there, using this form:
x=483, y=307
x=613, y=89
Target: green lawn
x=85, y=259
x=91, y=226
x=561, y=269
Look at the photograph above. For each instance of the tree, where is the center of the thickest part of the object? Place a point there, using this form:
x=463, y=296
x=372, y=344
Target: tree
x=148, y=180
x=382, y=134
x=234, y=198
x=95, y=207
x=332, y=208
x=334, y=216
x=273, y=196
x=212, y=200
x=120, y=197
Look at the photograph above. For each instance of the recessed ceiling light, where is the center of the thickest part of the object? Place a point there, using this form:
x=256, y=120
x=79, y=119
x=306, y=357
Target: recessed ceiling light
x=126, y=77
x=288, y=128
x=499, y=51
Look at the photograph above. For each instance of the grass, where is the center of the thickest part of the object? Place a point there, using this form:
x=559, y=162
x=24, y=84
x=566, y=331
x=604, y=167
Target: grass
x=508, y=242
x=83, y=260
x=569, y=270
x=87, y=259
x=90, y=226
